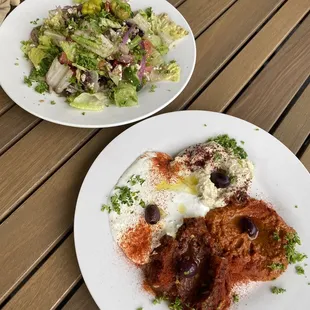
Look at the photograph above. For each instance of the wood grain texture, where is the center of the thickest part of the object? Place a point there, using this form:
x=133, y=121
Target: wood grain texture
x=81, y=300
x=242, y=68
x=295, y=127
x=267, y=97
x=43, y=219
x=176, y=2
x=210, y=8
x=46, y=288
x=34, y=158
x=305, y=158
x=13, y=125
x=5, y=102
x=219, y=42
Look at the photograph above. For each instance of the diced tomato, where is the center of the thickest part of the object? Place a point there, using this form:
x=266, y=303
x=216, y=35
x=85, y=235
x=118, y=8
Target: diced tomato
x=147, y=45
x=148, y=69
x=115, y=63
x=73, y=69
x=63, y=59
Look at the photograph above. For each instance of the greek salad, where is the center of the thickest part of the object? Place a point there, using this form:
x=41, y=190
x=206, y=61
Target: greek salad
x=99, y=52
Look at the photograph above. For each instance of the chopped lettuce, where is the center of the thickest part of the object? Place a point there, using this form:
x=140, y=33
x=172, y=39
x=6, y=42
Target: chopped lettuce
x=166, y=72
x=55, y=20
x=45, y=41
x=92, y=102
x=54, y=36
x=99, y=45
x=26, y=47
x=167, y=29
x=141, y=22
x=36, y=55
x=70, y=49
x=108, y=23
x=158, y=44
x=125, y=95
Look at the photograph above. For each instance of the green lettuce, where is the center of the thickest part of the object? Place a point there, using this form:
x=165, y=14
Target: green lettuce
x=36, y=55
x=125, y=95
x=166, y=72
x=105, y=22
x=120, y=9
x=91, y=102
x=99, y=45
x=167, y=29
x=69, y=48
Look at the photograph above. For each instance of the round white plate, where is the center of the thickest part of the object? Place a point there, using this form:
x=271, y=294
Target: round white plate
x=279, y=178
x=17, y=27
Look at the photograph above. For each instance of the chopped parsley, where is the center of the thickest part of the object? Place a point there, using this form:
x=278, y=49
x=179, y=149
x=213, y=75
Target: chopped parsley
x=217, y=156
x=176, y=305
x=308, y=283
x=231, y=144
x=299, y=270
x=233, y=179
x=256, y=129
x=158, y=300
x=34, y=22
x=106, y=208
x=292, y=255
x=16, y=64
x=276, y=236
x=142, y=203
x=27, y=81
x=134, y=179
x=277, y=290
x=140, y=308
x=53, y=102
x=235, y=298
x=242, y=142
x=296, y=206
x=152, y=89
x=276, y=266
x=83, y=113
x=205, y=125
x=41, y=87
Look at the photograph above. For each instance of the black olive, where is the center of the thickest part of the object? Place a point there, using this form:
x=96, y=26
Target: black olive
x=220, y=179
x=249, y=227
x=152, y=214
x=187, y=268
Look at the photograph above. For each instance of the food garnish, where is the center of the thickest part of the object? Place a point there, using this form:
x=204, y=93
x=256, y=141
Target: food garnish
x=235, y=298
x=277, y=290
x=292, y=255
x=299, y=270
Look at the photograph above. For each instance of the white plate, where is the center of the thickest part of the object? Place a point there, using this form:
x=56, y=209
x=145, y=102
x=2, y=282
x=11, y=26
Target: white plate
x=279, y=175
x=17, y=28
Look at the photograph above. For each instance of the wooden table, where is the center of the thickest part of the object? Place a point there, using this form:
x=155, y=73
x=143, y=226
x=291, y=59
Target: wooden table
x=253, y=62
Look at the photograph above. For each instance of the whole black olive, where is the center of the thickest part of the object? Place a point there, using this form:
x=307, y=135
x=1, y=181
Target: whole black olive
x=152, y=214
x=187, y=268
x=220, y=179
x=248, y=226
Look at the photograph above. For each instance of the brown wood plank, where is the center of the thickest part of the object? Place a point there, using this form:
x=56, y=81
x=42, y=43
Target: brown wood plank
x=295, y=127
x=51, y=282
x=210, y=8
x=13, y=125
x=242, y=68
x=81, y=300
x=43, y=219
x=305, y=158
x=176, y=2
x=33, y=159
x=218, y=43
x=267, y=97
x=5, y=102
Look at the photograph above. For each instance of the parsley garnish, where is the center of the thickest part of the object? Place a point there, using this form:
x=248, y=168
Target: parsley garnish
x=277, y=290
x=152, y=89
x=106, y=208
x=235, y=298
x=158, y=300
x=276, y=236
x=299, y=270
x=242, y=142
x=140, y=308
x=217, y=156
x=256, y=129
x=83, y=113
x=176, y=305
x=134, y=179
x=296, y=206
x=27, y=81
x=292, y=255
x=35, y=22
x=205, y=125
x=53, y=102
x=41, y=87
x=229, y=143
x=276, y=266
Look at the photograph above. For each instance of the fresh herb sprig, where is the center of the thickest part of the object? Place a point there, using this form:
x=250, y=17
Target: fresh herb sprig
x=276, y=266
x=277, y=290
x=293, y=256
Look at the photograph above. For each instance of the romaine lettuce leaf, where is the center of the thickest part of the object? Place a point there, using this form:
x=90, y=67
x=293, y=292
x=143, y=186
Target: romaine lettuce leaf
x=36, y=55
x=91, y=102
x=69, y=48
x=125, y=95
x=166, y=72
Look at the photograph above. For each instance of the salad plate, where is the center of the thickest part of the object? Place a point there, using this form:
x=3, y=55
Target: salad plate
x=279, y=178
x=71, y=67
